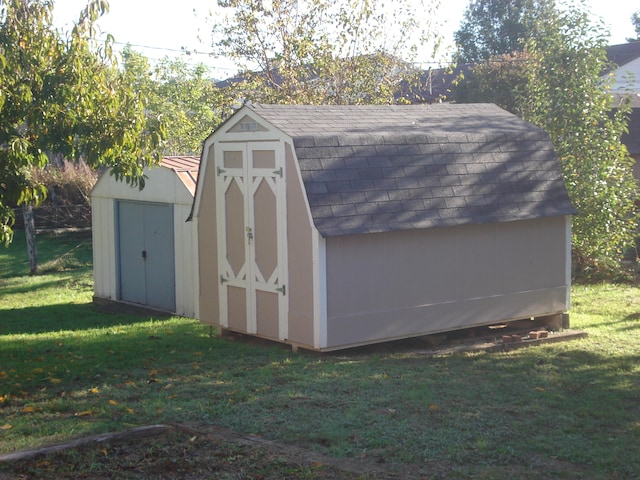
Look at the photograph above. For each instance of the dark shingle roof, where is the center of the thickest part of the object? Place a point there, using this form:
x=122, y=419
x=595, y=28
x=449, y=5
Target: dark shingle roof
x=623, y=53
x=370, y=169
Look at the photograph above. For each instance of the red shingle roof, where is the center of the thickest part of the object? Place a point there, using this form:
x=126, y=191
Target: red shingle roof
x=186, y=169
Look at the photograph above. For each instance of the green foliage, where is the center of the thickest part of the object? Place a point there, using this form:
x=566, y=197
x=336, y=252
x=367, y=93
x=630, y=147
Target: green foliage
x=491, y=28
x=501, y=80
x=346, y=52
x=635, y=20
x=184, y=96
x=64, y=95
x=568, y=98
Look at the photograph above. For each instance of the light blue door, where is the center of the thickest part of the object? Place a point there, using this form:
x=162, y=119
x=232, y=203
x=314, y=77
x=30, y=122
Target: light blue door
x=146, y=259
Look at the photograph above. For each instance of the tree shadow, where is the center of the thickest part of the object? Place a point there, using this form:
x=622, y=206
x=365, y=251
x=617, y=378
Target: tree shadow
x=63, y=317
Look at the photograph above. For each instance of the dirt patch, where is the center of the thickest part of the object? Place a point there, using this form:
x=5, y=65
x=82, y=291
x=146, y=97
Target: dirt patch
x=195, y=451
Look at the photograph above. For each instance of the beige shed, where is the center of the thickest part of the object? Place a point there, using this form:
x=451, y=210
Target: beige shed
x=144, y=250
x=328, y=227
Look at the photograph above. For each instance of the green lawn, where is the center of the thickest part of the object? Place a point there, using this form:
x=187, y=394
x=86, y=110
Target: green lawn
x=567, y=410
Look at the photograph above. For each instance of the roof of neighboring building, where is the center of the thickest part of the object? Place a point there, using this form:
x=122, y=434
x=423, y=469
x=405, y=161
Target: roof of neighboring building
x=186, y=169
x=623, y=53
x=370, y=169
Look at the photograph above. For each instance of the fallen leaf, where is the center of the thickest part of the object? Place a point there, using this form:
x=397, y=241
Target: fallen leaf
x=540, y=389
x=6, y=426
x=55, y=380
x=433, y=407
x=37, y=370
x=28, y=410
x=84, y=414
x=94, y=390
x=130, y=410
x=3, y=375
x=112, y=402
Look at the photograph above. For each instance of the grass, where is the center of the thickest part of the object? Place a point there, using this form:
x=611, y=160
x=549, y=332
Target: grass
x=568, y=410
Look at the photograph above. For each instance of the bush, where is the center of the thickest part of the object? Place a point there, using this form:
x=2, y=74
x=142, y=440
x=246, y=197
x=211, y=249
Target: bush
x=68, y=202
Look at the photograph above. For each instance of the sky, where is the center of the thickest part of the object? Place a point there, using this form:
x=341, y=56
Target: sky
x=159, y=28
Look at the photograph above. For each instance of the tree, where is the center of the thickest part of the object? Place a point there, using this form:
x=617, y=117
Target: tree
x=635, y=20
x=184, y=96
x=322, y=51
x=64, y=95
x=503, y=80
x=496, y=27
x=568, y=98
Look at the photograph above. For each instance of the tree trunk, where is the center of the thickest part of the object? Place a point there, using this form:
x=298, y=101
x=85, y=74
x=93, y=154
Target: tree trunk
x=30, y=234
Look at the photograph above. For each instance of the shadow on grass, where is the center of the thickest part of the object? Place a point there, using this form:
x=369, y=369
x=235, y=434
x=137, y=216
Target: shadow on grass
x=62, y=317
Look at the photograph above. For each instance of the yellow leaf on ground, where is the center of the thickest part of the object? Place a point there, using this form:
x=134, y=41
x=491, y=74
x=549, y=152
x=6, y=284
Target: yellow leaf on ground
x=3, y=375
x=94, y=390
x=37, y=370
x=112, y=402
x=84, y=414
x=540, y=389
x=433, y=406
x=6, y=426
x=55, y=380
x=130, y=410
x=28, y=410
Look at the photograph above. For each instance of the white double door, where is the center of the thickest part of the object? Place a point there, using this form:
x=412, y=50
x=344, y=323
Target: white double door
x=251, y=221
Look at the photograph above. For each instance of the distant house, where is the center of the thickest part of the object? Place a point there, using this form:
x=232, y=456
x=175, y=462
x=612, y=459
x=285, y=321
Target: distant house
x=626, y=57
x=327, y=227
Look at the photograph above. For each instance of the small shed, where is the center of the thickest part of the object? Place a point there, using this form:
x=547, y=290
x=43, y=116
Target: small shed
x=328, y=227
x=144, y=250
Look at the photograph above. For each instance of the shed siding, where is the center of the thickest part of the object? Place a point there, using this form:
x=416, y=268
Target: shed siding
x=300, y=235
x=104, y=250
x=208, y=242
x=186, y=254
x=377, y=288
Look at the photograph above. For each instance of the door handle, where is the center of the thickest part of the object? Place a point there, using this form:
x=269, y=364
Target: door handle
x=144, y=254
x=249, y=234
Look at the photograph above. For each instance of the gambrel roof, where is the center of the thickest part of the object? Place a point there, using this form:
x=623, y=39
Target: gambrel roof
x=369, y=169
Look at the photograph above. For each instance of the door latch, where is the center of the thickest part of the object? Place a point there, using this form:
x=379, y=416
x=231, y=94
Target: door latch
x=249, y=234
x=144, y=254
x=282, y=289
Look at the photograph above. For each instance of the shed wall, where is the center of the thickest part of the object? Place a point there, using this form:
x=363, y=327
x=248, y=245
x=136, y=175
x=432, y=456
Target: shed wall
x=208, y=242
x=408, y=283
x=162, y=186
x=300, y=234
